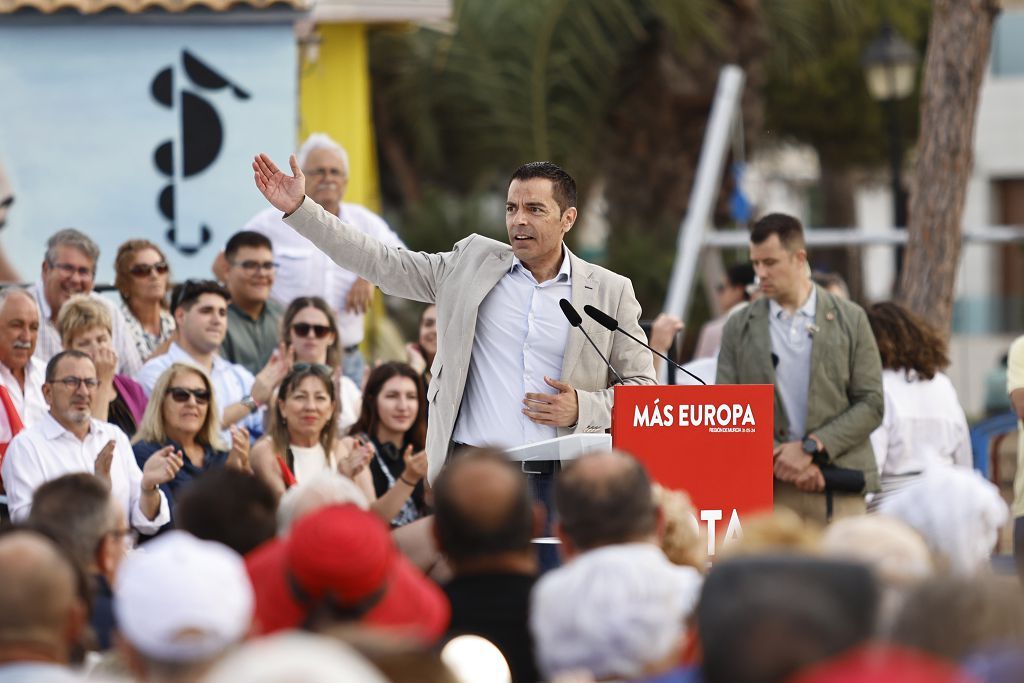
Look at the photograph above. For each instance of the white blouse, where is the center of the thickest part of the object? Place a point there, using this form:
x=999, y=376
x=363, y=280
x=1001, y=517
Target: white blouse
x=923, y=426
x=310, y=462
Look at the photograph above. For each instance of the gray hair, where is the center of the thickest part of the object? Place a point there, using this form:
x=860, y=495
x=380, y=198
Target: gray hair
x=321, y=141
x=327, y=488
x=8, y=291
x=294, y=656
x=76, y=239
x=76, y=509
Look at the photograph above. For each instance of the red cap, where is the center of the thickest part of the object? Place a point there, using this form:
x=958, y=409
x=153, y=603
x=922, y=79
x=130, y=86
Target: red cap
x=883, y=664
x=345, y=556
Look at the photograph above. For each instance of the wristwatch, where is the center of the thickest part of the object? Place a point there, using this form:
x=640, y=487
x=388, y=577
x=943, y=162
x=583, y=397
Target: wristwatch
x=250, y=403
x=810, y=446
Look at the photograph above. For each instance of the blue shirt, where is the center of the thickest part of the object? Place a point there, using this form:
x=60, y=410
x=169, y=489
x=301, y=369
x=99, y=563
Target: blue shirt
x=792, y=339
x=188, y=472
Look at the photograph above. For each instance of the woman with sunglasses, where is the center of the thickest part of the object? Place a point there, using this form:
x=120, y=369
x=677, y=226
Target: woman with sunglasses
x=310, y=333
x=182, y=413
x=142, y=279
x=84, y=325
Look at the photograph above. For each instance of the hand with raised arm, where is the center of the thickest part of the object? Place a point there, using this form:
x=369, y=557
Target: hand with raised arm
x=285, y=192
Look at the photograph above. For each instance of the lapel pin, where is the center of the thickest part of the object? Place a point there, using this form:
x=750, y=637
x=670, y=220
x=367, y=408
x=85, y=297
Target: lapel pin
x=830, y=316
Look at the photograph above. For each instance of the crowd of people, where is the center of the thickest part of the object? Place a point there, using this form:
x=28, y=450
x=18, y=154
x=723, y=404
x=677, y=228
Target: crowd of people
x=207, y=481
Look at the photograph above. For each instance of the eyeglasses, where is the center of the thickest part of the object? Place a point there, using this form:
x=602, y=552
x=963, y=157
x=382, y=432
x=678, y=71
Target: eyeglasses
x=72, y=382
x=181, y=395
x=333, y=172
x=303, y=330
x=253, y=266
x=69, y=270
x=144, y=269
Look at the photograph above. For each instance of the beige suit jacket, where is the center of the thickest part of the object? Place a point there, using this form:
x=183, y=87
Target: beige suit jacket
x=457, y=281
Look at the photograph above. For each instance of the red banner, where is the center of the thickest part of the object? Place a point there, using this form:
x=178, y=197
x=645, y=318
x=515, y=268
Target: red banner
x=713, y=442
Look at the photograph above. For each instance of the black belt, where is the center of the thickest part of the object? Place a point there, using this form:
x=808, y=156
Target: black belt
x=535, y=466
x=351, y=349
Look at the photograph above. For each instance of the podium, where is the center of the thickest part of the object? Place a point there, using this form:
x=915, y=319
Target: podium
x=562, y=448
x=714, y=442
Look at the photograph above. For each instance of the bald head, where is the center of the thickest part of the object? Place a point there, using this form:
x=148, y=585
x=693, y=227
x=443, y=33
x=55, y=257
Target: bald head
x=482, y=507
x=39, y=604
x=604, y=499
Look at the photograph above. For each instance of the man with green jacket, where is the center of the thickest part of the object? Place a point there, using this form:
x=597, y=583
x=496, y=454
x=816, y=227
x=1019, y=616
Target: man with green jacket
x=819, y=353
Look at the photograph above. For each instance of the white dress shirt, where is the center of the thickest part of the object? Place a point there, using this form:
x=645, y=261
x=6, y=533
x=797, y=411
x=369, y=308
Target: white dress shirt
x=49, y=344
x=30, y=403
x=304, y=270
x=520, y=337
x=46, y=451
x=231, y=383
x=923, y=426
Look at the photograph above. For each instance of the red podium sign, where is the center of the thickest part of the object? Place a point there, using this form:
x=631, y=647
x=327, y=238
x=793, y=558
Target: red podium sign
x=713, y=442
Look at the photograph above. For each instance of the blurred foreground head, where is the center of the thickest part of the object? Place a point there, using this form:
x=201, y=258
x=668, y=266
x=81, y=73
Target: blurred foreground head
x=763, y=618
x=604, y=499
x=617, y=612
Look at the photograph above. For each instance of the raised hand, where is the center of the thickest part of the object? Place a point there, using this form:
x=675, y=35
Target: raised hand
x=161, y=467
x=414, y=357
x=238, y=457
x=105, y=360
x=284, y=192
x=279, y=365
x=103, y=461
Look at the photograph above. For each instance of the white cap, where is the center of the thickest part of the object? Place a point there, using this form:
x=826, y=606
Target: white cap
x=611, y=611
x=294, y=657
x=180, y=599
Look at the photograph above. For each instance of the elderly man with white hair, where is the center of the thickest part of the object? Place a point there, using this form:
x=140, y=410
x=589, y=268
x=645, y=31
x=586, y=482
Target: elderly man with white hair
x=304, y=270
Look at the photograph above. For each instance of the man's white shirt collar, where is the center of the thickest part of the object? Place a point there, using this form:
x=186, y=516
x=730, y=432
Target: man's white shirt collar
x=564, y=271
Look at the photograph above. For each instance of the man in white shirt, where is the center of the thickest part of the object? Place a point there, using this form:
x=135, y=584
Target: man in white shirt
x=200, y=309
x=69, y=269
x=21, y=374
x=304, y=270
x=69, y=440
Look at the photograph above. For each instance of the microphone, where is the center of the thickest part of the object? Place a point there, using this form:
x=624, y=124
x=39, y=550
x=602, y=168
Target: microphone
x=573, y=316
x=612, y=324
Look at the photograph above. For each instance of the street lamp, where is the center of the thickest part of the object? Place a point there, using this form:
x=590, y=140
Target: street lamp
x=890, y=65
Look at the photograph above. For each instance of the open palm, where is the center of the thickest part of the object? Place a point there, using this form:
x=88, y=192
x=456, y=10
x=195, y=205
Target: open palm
x=284, y=191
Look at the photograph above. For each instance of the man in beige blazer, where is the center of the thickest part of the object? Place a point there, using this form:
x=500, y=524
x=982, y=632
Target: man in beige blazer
x=473, y=286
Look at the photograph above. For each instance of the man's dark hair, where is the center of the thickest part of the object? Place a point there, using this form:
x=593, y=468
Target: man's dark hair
x=615, y=507
x=788, y=228
x=76, y=511
x=741, y=275
x=563, y=187
x=228, y=506
x=51, y=365
x=763, y=618
x=245, y=238
x=188, y=292
x=465, y=535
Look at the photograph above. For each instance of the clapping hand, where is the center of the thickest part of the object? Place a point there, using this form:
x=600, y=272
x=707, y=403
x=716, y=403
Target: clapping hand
x=103, y=461
x=238, y=457
x=360, y=296
x=355, y=456
x=284, y=192
x=415, y=465
x=279, y=365
x=161, y=467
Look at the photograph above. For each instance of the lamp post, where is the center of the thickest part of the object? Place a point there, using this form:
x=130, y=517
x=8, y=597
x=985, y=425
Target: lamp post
x=890, y=64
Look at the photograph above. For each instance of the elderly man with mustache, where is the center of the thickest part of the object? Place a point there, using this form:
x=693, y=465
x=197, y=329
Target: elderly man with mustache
x=21, y=374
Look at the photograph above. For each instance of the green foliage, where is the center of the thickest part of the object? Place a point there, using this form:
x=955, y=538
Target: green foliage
x=816, y=91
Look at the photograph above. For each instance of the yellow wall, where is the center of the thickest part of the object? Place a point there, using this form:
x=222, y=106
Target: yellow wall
x=334, y=98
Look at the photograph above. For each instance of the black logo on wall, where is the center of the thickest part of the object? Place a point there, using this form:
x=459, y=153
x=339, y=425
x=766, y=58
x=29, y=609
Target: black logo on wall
x=201, y=135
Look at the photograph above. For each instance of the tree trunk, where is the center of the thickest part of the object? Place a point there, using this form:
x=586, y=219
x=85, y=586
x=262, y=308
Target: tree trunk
x=839, y=211
x=958, y=48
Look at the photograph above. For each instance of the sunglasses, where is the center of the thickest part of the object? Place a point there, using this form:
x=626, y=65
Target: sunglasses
x=303, y=330
x=181, y=395
x=144, y=269
x=318, y=368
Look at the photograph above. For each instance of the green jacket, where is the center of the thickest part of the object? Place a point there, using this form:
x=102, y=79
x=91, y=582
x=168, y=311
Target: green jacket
x=844, y=400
